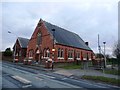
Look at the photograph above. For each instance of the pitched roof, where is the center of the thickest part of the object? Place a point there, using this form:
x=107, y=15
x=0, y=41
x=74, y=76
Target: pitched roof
x=23, y=42
x=66, y=37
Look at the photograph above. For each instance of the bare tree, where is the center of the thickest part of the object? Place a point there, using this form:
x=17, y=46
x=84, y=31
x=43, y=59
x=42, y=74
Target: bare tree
x=116, y=51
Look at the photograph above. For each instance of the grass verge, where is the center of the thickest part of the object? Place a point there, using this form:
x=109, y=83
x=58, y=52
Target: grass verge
x=73, y=66
x=103, y=79
x=113, y=71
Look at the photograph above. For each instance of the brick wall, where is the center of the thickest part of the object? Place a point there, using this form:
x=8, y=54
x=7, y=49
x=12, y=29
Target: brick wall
x=47, y=43
x=18, y=49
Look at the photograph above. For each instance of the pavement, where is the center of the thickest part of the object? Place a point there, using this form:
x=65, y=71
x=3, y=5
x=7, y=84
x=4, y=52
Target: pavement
x=17, y=74
x=72, y=72
x=76, y=72
x=80, y=73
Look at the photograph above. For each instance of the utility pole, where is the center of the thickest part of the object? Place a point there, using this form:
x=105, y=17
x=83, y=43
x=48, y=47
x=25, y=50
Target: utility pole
x=99, y=49
x=104, y=55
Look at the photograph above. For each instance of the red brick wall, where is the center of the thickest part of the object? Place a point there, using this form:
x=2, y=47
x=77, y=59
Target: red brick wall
x=75, y=50
x=18, y=49
x=47, y=42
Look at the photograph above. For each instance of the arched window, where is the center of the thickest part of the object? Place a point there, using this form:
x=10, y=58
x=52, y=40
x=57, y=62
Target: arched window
x=39, y=39
x=78, y=55
x=31, y=52
x=46, y=53
x=70, y=54
x=60, y=52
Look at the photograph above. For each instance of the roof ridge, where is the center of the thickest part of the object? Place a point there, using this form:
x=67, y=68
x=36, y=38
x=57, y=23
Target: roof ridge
x=23, y=38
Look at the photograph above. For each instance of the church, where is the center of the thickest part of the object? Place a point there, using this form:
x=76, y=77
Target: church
x=51, y=41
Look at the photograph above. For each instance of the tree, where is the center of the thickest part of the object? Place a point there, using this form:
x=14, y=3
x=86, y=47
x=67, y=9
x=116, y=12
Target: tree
x=116, y=51
x=8, y=52
x=98, y=55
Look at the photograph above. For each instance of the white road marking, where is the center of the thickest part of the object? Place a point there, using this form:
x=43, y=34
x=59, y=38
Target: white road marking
x=25, y=81
x=46, y=75
x=19, y=70
x=39, y=78
x=66, y=84
x=26, y=86
x=64, y=78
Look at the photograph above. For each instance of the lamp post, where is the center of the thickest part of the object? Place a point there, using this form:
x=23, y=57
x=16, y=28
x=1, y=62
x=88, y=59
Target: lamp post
x=53, y=36
x=53, y=50
x=104, y=55
x=15, y=45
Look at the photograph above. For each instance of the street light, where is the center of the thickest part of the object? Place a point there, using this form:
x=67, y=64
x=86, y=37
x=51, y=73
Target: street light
x=15, y=45
x=53, y=36
x=12, y=33
x=53, y=50
x=104, y=55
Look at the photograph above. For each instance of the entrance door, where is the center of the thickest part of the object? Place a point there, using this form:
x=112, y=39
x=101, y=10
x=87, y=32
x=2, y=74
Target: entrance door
x=37, y=57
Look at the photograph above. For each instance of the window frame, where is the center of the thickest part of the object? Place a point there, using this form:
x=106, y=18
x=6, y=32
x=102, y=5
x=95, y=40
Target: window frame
x=39, y=38
x=60, y=54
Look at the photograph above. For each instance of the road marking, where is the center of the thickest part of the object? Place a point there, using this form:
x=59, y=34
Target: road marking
x=64, y=78
x=19, y=70
x=16, y=69
x=25, y=81
x=46, y=76
x=26, y=86
x=66, y=84
x=39, y=78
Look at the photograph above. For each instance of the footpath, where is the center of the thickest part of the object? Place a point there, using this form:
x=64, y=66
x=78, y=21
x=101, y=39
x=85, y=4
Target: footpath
x=72, y=72
x=76, y=72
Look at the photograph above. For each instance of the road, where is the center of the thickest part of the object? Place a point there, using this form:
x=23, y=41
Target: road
x=15, y=76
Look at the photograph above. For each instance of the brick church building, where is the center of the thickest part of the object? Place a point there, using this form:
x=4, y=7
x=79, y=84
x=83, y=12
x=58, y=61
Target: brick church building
x=20, y=48
x=51, y=41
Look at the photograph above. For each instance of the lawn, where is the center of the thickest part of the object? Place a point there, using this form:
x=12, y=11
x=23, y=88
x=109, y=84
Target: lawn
x=112, y=71
x=102, y=79
x=73, y=66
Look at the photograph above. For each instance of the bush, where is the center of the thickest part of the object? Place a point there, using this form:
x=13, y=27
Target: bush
x=7, y=52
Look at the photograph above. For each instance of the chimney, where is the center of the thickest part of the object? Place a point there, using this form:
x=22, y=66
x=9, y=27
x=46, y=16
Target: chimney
x=86, y=43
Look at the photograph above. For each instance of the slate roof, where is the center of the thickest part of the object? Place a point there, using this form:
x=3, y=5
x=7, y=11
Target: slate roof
x=23, y=42
x=66, y=37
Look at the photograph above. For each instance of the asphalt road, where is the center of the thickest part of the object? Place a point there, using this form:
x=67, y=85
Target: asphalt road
x=15, y=76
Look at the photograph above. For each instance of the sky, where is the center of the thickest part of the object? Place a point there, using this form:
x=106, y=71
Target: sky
x=87, y=18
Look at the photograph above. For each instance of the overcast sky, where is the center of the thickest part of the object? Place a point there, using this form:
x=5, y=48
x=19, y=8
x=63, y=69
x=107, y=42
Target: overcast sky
x=87, y=18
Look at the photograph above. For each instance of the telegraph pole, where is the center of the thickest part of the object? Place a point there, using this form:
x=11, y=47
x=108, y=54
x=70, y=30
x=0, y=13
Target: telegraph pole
x=104, y=55
x=99, y=49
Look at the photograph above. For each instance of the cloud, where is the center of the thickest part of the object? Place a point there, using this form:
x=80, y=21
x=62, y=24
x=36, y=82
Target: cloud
x=88, y=18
